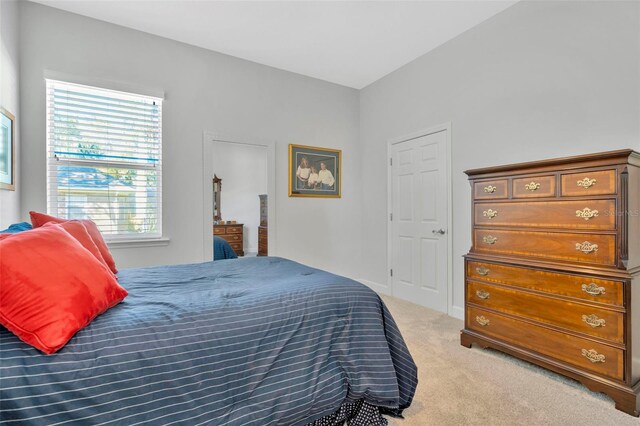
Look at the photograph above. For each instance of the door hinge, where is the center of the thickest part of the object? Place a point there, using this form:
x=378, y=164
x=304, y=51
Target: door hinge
x=391, y=272
x=391, y=161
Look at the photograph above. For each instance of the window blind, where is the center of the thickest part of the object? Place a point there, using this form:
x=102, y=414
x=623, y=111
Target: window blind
x=104, y=159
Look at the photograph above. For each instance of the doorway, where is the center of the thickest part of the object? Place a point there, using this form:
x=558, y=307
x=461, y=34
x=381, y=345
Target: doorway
x=246, y=169
x=420, y=217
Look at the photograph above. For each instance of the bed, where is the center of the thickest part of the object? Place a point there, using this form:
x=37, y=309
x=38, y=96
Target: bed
x=222, y=249
x=255, y=341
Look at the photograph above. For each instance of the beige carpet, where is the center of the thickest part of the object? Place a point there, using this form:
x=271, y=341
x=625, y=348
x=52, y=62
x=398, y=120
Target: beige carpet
x=460, y=386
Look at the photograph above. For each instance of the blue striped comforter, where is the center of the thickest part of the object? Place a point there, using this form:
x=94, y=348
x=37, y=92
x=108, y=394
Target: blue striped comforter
x=256, y=341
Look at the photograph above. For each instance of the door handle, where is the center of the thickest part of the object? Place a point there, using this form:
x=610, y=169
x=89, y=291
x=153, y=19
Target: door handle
x=439, y=231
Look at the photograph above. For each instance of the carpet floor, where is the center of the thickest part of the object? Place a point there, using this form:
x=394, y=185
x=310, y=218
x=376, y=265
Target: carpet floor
x=460, y=386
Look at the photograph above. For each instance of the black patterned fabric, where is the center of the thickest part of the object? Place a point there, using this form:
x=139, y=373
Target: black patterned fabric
x=357, y=413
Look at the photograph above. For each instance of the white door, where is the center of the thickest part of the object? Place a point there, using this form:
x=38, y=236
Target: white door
x=419, y=219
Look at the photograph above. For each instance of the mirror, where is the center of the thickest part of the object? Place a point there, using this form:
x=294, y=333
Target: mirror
x=217, y=189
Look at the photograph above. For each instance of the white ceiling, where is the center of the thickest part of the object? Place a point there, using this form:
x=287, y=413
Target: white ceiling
x=352, y=43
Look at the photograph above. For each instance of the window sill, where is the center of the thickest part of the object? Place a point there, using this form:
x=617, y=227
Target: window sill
x=138, y=243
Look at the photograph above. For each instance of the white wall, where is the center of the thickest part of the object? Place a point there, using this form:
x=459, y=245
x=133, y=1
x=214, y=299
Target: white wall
x=539, y=80
x=9, y=81
x=204, y=91
x=243, y=170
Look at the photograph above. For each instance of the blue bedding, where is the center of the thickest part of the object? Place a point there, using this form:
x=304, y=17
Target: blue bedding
x=222, y=249
x=17, y=227
x=255, y=341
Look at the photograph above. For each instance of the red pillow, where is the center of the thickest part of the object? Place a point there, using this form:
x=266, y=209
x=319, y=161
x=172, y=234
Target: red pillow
x=39, y=219
x=52, y=287
x=79, y=232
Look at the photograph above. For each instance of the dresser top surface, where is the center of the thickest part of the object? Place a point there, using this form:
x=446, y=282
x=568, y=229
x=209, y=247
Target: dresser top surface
x=602, y=158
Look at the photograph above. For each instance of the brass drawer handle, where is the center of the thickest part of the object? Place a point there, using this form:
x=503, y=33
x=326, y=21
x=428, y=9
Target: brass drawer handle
x=594, y=321
x=484, y=295
x=490, y=189
x=587, y=247
x=490, y=213
x=532, y=186
x=593, y=289
x=587, y=183
x=593, y=356
x=482, y=320
x=587, y=213
x=482, y=271
x=488, y=239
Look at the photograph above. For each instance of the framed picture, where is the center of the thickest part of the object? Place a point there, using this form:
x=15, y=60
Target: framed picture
x=7, y=150
x=314, y=172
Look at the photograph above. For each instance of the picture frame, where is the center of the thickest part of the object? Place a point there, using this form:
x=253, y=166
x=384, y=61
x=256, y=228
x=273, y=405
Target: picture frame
x=315, y=172
x=7, y=150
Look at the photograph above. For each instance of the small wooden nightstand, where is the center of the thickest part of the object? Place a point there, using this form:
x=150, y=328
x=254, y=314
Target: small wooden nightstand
x=234, y=234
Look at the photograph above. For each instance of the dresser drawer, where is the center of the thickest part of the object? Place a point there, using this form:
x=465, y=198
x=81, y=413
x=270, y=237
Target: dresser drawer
x=232, y=237
x=583, y=353
x=584, y=248
x=219, y=230
x=593, y=214
x=493, y=189
x=587, y=288
x=234, y=229
x=534, y=187
x=602, y=182
x=586, y=319
x=237, y=247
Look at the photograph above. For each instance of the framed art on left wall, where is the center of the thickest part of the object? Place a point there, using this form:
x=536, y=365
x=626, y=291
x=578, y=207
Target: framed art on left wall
x=7, y=150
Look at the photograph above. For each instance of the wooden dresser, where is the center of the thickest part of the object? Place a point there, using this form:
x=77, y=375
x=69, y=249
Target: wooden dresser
x=553, y=274
x=263, y=241
x=234, y=234
x=263, y=233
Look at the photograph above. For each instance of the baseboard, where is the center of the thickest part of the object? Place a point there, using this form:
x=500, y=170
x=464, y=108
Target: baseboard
x=457, y=312
x=378, y=288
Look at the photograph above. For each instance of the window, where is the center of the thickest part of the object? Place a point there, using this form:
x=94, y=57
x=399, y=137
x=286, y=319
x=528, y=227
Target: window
x=104, y=162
